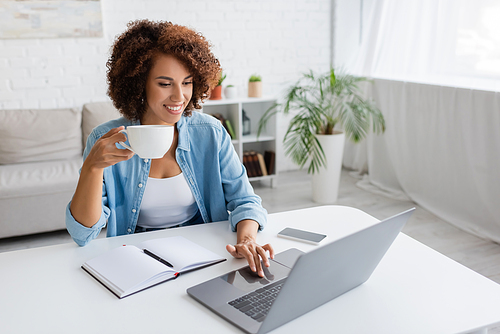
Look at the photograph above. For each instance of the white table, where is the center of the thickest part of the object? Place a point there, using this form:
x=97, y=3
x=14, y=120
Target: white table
x=413, y=290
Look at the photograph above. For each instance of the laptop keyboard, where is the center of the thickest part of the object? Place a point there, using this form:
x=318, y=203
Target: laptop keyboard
x=256, y=304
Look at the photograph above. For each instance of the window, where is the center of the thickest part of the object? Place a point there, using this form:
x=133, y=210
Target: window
x=477, y=46
x=445, y=42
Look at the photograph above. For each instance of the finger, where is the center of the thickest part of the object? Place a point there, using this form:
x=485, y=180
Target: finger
x=258, y=263
x=117, y=137
x=270, y=249
x=110, y=146
x=263, y=255
x=113, y=131
x=118, y=157
x=248, y=256
x=109, y=140
x=121, y=153
x=232, y=250
x=112, y=154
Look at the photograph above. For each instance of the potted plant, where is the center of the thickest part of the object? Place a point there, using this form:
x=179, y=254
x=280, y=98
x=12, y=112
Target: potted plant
x=255, y=86
x=230, y=92
x=216, y=93
x=320, y=102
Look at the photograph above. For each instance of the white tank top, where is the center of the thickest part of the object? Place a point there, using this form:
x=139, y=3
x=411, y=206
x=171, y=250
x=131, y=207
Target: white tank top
x=166, y=202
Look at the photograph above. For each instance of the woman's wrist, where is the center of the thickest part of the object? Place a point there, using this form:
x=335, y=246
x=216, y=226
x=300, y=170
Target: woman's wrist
x=245, y=239
x=247, y=231
x=88, y=167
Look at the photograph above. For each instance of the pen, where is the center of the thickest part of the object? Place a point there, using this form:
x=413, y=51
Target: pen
x=158, y=258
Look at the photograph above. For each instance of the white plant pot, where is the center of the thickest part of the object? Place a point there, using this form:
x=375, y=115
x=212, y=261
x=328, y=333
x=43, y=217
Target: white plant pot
x=230, y=92
x=325, y=183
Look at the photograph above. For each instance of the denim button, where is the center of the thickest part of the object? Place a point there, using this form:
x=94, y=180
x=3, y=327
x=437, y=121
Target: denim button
x=134, y=210
x=146, y=160
x=129, y=230
x=140, y=185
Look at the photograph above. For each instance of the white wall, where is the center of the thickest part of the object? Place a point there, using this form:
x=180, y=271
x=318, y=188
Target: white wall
x=277, y=39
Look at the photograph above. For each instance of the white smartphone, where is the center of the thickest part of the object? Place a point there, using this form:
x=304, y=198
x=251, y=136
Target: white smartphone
x=300, y=235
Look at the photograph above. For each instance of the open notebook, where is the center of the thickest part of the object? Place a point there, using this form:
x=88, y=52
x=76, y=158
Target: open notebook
x=129, y=269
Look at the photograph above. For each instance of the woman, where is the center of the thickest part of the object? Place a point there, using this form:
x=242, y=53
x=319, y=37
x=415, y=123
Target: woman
x=158, y=73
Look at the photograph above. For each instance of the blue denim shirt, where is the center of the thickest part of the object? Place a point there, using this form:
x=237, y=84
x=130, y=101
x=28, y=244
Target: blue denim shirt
x=207, y=158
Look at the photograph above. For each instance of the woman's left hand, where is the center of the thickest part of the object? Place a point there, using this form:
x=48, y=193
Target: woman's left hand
x=247, y=248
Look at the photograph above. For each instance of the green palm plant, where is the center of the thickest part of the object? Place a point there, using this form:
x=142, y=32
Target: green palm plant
x=320, y=102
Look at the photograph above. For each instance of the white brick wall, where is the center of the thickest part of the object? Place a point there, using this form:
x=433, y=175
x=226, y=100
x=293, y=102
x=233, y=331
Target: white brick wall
x=277, y=39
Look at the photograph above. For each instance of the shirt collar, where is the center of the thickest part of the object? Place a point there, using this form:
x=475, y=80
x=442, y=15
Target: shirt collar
x=183, y=139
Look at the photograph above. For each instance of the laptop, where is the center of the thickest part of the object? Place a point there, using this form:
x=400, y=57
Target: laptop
x=297, y=282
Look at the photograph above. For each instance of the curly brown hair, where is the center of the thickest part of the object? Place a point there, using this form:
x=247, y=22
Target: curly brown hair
x=133, y=55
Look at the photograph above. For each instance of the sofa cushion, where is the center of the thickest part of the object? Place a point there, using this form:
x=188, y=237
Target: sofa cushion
x=96, y=113
x=39, y=135
x=35, y=179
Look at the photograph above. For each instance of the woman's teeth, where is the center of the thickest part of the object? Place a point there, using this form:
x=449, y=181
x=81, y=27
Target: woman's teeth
x=174, y=108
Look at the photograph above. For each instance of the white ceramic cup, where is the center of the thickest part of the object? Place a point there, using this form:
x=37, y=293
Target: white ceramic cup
x=149, y=141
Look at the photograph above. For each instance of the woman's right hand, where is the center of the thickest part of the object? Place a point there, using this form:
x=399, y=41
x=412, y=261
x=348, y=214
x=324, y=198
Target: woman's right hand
x=87, y=200
x=104, y=153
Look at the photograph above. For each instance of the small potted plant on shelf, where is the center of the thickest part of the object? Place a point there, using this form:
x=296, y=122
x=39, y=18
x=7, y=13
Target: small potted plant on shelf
x=319, y=103
x=255, y=86
x=230, y=92
x=216, y=93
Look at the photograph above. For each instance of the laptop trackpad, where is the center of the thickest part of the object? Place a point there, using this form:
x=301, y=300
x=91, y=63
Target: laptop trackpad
x=246, y=280
x=288, y=257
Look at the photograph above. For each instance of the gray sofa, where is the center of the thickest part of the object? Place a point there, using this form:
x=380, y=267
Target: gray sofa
x=40, y=157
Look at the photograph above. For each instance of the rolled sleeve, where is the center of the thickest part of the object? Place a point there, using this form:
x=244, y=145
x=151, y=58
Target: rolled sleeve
x=82, y=235
x=248, y=211
x=242, y=202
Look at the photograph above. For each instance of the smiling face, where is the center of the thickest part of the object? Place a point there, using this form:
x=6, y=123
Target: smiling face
x=169, y=88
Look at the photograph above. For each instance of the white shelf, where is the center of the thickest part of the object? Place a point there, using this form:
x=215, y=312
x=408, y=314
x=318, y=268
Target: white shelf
x=253, y=138
x=239, y=100
x=261, y=178
x=232, y=110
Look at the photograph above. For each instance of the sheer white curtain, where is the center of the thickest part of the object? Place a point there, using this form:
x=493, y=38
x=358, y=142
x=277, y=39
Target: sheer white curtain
x=436, y=66
x=449, y=42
